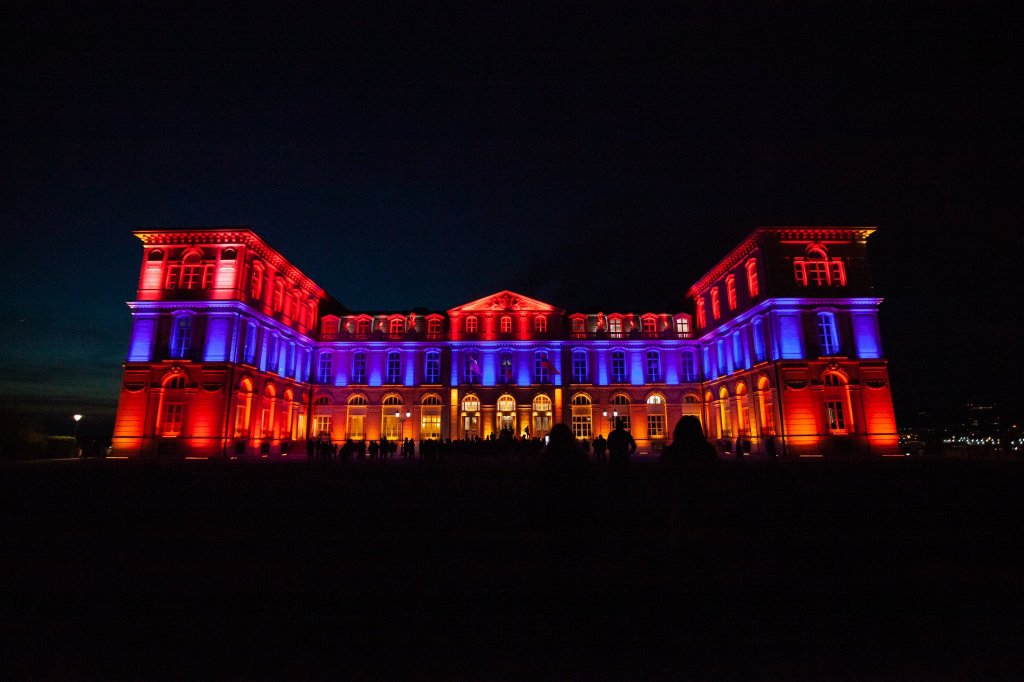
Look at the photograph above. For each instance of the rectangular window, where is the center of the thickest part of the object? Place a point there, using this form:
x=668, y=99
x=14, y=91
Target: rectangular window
x=737, y=350
x=580, y=370
x=356, y=426
x=322, y=425
x=716, y=307
x=506, y=325
x=828, y=335
x=394, y=369
x=649, y=325
x=702, y=318
x=249, y=349
x=434, y=329
x=834, y=415
x=758, y=331
x=619, y=367
x=240, y=425
x=655, y=426
x=432, y=368
x=730, y=291
x=540, y=368
x=191, y=276
x=581, y=425
x=837, y=273
x=615, y=328
x=579, y=326
x=653, y=367
x=172, y=420
x=817, y=272
x=471, y=369
x=181, y=337
x=506, y=368
x=688, y=366
x=683, y=326
x=752, y=285
x=430, y=427
x=359, y=368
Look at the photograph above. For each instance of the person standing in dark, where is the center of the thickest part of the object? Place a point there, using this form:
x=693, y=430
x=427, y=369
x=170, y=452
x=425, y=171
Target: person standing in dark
x=689, y=450
x=620, y=447
x=769, y=447
x=600, y=447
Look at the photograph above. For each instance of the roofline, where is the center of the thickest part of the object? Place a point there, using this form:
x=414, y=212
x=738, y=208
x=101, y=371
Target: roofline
x=811, y=233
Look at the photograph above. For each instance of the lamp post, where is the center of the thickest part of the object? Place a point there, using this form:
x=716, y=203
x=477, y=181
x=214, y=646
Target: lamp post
x=77, y=418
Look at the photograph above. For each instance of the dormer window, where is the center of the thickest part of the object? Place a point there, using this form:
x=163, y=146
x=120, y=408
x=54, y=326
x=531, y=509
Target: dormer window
x=615, y=327
x=434, y=328
x=540, y=324
x=397, y=326
x=817, y=270
x=363, y=327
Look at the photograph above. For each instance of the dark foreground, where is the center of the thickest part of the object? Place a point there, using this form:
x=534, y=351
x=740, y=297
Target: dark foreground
x=890, y=569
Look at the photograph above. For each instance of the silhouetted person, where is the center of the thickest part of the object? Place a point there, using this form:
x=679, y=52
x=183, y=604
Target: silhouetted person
x=689, y=449
x=600, y=447
x=620, y=447
x=561, y=458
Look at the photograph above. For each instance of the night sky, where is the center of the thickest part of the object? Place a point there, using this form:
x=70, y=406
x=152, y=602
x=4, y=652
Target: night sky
x=594, y=156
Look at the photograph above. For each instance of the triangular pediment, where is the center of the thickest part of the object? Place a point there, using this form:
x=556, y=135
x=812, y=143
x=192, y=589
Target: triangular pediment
x=504, y=301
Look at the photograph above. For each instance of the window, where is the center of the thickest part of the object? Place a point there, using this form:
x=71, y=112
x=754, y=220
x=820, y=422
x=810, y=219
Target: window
x=195, y=275
x=828, y=335
x=752, y=277
x=620, y=410
x=834, y=417
x=720, y=346
x=737, y=349
x=322, y=426
x=541, y=364
x=582, y=416
x=256, y=285
x=619, y=367
x=324, y=371
x=758, y=331
x=181, y=336
x=540, y=324
x=615, y=327
x=172, y=420
x=579, y=326
x=155, y=255
x=653, y=367
x=682, y=326
x=688, y=366
x=506, y=324
x=272, y=353
x=175, y=382
x=716, y=308
x=397, y=326
x=391, y=418
x=433, y=328
x=394, y=367
x=471, y=368
x=249, y=349
x=362, y=327
x=702, y=318
x=359, y=368
x=228, y=254
x=580, y=367
x=730, y=291
x=471, y=325
x=817, y=270
x=278, y=294
x=833, y=379
x=506, y=367
x=432, y=367
x=649, y=325
x=655, y=426
x=322, y=400
x=706, y=357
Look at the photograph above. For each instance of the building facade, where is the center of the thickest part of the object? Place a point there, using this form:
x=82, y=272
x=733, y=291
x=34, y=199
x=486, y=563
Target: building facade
x=234, y=352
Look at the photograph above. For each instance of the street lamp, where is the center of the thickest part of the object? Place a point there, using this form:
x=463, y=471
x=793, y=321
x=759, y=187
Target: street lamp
x=77, y=418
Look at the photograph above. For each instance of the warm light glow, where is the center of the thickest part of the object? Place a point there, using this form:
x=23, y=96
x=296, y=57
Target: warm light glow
x=77, y=417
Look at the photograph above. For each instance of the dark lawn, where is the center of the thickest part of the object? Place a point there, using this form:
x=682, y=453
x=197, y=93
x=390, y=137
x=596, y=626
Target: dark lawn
x=889, y=569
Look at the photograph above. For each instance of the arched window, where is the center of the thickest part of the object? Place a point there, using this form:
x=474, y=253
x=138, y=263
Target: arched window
x=432, y=367
x=817, y=270
x=834, y=379
x=355, y=418
x=765, y=406
x=582, y=416
x=828, y=334
x=195, y=275
x=742, y=410
x=392, y=417
x=394, y=367
x=615, y=327
x=752, y=286
x=653, y=367
x=724, y=424
x=580, y=367
x=541, y=415
x=228, y=254
x=430, y=417
x=472, y=324
x=540, y=324
x=359, y=367
x=322, y=400
x=506, y=403
x=656, y=416
x=618, y=366
x=181, y=336
x=243, y=408
x=155, y=255
x=506, y=324
x=434, y=328
x=620, y=405
x=470, y=416
x=397, y=326
x=363, y=326
x=175, y=382
x=649, y=325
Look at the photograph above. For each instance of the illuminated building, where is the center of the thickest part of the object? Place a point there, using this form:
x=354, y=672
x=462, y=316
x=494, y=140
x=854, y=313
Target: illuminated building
x=235, y=352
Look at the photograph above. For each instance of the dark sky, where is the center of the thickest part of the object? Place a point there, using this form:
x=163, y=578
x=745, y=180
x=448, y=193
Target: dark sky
x=599, y=156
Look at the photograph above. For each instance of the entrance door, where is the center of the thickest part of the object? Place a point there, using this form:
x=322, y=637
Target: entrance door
x=470, y=424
